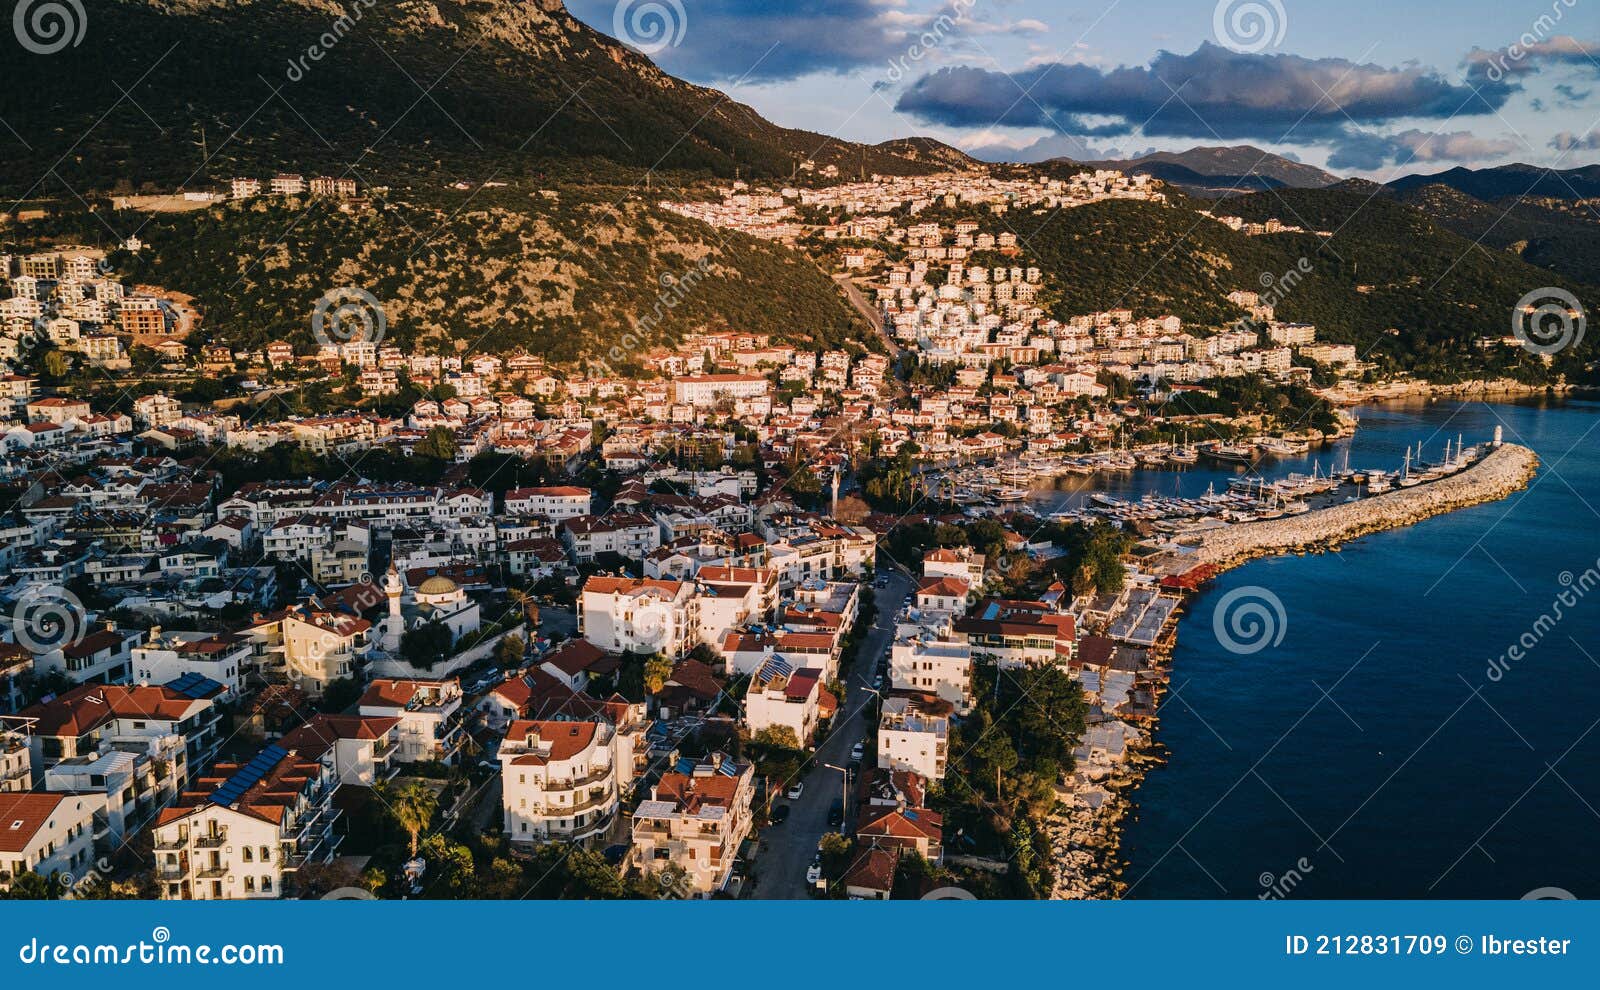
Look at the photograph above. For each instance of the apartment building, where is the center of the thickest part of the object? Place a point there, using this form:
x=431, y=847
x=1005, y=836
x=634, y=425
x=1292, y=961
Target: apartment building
x=914, y=734
x=562, y=780
x=45, y=833
x=432, y=726
x=695, y=820
x=631, y=615
x=554, y=502
x=247, y=828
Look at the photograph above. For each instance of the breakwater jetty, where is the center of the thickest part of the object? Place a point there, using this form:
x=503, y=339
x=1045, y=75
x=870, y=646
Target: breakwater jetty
x=1497, y=474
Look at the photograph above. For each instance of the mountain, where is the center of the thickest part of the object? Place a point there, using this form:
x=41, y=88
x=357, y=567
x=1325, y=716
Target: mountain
x=1225, y=171
x=929, y=151
x=171, y=92
x=1511, y=180
x=1407, y=292
x=422, y=102
x=1558, y=234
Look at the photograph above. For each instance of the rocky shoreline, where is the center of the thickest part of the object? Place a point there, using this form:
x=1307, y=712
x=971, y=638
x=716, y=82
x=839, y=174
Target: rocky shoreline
x=1085, y=832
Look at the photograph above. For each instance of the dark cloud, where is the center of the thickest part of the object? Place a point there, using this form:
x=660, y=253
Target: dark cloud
x=1366, y=151
x=1210, y=93
x=761, y=41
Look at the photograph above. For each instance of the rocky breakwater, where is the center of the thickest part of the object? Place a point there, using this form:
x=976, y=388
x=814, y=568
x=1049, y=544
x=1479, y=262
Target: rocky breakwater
x=1498, y=473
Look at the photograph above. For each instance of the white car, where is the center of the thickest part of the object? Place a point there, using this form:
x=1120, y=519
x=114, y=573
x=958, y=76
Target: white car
x=857, y=750
x=798, y=789
x=814, y=873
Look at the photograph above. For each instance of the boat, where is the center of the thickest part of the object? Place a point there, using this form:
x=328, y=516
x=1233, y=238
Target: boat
x=1010, y=494
x=1232, y=453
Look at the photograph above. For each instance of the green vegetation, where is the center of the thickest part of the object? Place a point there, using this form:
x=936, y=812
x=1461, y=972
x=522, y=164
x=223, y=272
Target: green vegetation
x=1005, y=761
x=513, y=91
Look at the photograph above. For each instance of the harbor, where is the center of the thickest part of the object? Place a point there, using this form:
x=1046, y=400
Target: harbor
x=1126, y=666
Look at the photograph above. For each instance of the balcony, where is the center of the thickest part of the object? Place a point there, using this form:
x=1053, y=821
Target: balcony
x=211, y=841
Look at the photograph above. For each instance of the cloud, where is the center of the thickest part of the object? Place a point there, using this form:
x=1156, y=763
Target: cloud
x=759, y=41
x=1211, y=93
x=1568, y=141
x=1366, y=151
x=1528, y=55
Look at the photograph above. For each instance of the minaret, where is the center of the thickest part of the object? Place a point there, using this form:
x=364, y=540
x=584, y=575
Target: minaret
x=833, y=508
x=395, y=624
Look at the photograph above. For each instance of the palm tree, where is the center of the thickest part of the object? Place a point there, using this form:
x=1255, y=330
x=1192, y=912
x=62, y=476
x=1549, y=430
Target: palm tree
x=412, y=809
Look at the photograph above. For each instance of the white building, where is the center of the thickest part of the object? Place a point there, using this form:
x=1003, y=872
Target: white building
x=914, y=734
x=696, y=819
x=630, y=615
x=248, y=829
x=562, y=780
x=46, y=834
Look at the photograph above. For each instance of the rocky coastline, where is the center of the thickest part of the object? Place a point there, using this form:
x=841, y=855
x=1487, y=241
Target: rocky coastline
x=1086, y=830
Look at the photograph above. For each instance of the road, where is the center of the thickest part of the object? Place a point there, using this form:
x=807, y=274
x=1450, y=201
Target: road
x=787, y=849
x=869, y=312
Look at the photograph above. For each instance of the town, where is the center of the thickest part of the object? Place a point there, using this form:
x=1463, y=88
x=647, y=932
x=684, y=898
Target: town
x=742, y=624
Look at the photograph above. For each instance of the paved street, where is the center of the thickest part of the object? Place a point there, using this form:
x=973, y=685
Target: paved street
x=787, y=849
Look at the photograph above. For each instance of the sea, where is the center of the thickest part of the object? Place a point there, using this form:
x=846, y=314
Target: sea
x=1416, y=715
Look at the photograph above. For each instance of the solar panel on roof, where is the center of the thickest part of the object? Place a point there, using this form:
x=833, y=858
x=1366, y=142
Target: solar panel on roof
x=248, y=775
x=728, y=770
x=685, y=766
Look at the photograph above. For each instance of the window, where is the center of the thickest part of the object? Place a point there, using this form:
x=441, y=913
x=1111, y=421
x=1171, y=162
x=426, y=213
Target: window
x=249, y=854
x=249, y=885
x=266, y=854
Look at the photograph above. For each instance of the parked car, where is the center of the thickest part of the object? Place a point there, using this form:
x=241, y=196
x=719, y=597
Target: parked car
x=877, y=681
x=836, y=813
x=796, y=789
x=858, y=750
x=814, y=871
x=780, y=814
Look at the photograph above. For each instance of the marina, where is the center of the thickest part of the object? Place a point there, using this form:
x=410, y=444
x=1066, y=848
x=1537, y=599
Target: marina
x=1126, y=666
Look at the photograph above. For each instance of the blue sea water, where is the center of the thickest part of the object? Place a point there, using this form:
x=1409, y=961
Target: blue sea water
x=1383, y=748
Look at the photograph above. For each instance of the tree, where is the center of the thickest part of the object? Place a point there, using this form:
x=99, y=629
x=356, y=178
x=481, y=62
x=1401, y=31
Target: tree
x=412, y=808
x=508, y=652
x=439, y=444
x=341, y=694
x=427, y=644
x=657, y=670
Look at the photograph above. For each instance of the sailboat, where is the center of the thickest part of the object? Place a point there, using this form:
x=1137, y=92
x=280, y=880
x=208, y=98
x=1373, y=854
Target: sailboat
x=1185, y=454
x=1407, y=479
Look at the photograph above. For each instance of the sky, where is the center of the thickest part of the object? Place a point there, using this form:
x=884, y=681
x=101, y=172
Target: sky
x=1360, y=87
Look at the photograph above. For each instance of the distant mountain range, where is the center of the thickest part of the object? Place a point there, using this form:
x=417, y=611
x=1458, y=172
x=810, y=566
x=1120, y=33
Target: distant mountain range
x=1224, y=171
x=1511, y=180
